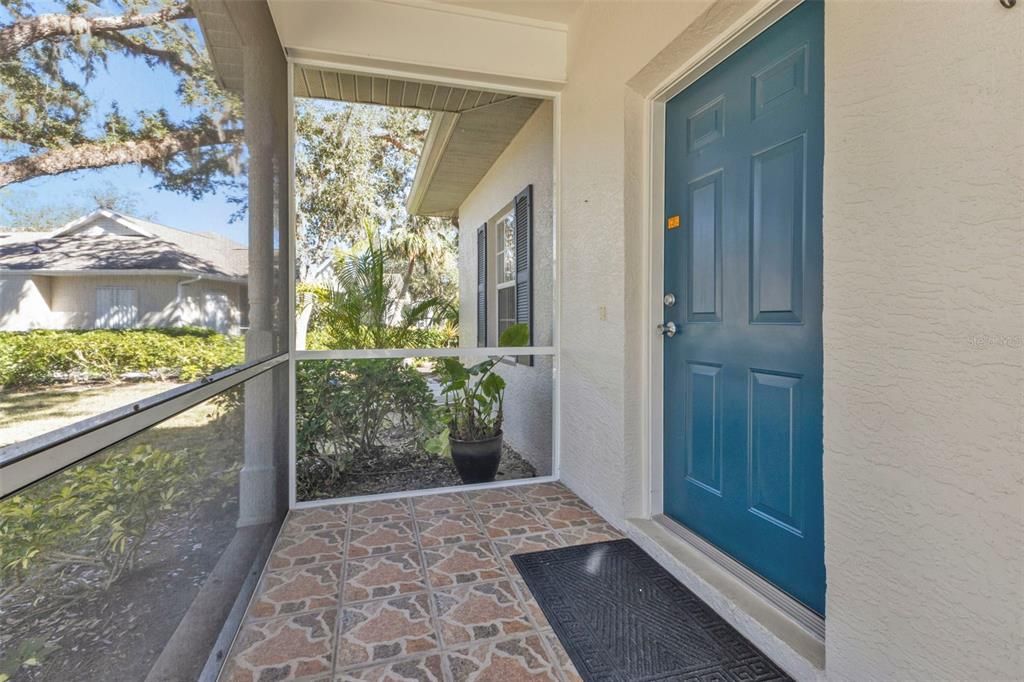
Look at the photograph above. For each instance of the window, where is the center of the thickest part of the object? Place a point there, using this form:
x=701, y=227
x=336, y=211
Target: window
x=505, y=297
x=217, y=311
x=116, y=307
x=505, y=267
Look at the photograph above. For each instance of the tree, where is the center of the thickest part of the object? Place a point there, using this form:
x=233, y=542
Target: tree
x=354, y=167
x=362, y=310
x=50, y=124
x=20, y=214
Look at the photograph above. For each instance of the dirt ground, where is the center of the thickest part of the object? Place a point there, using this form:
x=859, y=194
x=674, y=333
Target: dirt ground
x=392, y=469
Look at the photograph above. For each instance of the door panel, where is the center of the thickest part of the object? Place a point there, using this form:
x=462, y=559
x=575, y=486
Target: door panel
x=777, y=209
x=704, y=285
x=743, y=169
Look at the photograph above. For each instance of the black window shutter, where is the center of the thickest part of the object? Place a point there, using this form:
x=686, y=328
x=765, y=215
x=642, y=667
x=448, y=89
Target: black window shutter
x=481, y=285
x=524, y=263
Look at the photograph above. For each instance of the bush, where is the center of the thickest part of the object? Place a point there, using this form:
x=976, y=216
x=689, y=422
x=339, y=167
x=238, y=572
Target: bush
x=97, y=515
x=342, y=407
x=45, y=357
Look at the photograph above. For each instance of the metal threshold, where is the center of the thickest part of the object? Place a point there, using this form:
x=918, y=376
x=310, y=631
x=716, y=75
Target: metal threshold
x=805, y=617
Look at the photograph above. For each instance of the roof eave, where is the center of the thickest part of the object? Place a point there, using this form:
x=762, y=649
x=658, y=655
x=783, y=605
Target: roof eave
x=442, y=125
x=124, y=272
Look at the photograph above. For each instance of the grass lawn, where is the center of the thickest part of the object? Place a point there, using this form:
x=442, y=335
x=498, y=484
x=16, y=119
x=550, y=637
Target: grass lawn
x=28, y=413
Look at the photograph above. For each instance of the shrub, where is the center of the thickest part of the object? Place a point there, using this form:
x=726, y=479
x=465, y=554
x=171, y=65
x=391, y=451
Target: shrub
x=97, y=515
x=342, y=407
x=44, y=356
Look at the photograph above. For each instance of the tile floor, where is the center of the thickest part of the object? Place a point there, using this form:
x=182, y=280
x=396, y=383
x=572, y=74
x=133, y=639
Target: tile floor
x=420, y=588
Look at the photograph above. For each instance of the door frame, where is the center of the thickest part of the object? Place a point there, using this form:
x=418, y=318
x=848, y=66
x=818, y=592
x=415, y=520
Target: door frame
x=748, y=27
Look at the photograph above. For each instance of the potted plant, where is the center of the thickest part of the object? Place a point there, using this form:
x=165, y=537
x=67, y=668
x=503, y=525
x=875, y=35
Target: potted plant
x=473, y=412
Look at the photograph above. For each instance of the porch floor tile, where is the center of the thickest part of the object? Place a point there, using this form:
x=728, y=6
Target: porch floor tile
x=415, y=588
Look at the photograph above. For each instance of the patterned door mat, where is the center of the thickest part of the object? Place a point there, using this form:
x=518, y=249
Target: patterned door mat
x=621, y=616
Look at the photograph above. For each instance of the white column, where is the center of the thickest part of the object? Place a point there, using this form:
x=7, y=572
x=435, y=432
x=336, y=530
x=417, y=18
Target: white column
x=258, y=494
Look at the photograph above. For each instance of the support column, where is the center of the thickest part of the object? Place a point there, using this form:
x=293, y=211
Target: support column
x=258, y=498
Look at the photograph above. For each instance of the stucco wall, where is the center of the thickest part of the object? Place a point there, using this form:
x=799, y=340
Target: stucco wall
x=924, y=340
x=73, y=300
x=608, y=43
x=528, y=398
x=923, y=319
x=24, y=303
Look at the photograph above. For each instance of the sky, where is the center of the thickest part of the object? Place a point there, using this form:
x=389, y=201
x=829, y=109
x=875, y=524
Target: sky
x=133, y=86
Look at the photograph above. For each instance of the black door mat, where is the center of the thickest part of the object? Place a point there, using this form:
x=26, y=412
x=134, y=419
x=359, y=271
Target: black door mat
x=621, y=616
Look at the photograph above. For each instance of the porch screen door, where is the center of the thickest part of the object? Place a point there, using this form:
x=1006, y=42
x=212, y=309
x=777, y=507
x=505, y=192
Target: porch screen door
x=743, y=375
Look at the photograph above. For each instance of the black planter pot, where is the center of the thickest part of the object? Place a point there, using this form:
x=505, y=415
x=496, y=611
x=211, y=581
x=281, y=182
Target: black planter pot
x=477, y=460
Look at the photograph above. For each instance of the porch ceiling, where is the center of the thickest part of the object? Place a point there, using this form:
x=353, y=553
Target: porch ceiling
x=363, y=89
x=460, y=149
x=469, y=128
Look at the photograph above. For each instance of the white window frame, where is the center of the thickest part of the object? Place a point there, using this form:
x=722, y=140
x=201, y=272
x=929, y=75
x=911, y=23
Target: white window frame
x=496, y=236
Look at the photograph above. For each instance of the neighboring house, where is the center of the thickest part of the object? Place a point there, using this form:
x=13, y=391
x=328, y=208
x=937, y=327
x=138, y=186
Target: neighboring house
x=110, y=270
x=492, y=170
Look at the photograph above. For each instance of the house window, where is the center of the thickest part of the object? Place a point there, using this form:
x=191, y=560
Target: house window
x=505, y=269
x=217, y=311
x=116, y=307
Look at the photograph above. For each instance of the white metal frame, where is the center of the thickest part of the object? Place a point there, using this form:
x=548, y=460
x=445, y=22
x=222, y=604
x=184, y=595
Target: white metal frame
x=748, y=27
x=552, y=351
x=24, y=463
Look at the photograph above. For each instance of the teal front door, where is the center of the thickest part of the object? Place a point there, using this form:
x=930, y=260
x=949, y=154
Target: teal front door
x=743, y=259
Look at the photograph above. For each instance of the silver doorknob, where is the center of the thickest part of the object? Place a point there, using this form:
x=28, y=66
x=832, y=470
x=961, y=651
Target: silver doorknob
x=667, y=329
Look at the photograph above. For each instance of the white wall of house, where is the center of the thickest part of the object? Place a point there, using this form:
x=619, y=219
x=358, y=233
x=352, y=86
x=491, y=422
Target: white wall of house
x=923, y=319
x=73, y=300
x=924, y=331
x=105, y=226
x=24, y=303
x=601, y=456
x=527, y=160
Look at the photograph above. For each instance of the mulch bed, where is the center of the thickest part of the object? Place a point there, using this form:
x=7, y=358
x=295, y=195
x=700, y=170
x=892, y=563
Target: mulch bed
x=391, y=469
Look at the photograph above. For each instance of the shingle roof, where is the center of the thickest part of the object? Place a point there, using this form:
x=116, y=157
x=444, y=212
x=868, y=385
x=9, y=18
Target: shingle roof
x=157, y=247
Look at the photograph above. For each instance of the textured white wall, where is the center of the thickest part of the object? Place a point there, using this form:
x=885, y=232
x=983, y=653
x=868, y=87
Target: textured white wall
x=924, y=315
x=608, y=43
x=924, y=340
x=527, y=160
x=24, y=303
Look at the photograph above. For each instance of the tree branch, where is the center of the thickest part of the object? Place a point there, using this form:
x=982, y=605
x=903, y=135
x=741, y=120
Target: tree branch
x=172, y=59
x=103, y=154
x=25, y=32
x=396, y=143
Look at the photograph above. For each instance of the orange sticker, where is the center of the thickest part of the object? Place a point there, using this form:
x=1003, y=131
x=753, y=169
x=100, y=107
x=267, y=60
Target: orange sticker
x=673, y=222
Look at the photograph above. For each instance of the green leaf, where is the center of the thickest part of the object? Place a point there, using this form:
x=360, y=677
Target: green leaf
x=454, y=369
x=439, y=443
x=492, y=385
x=514, y=336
